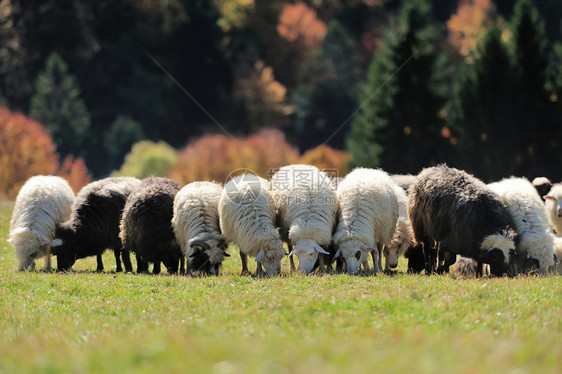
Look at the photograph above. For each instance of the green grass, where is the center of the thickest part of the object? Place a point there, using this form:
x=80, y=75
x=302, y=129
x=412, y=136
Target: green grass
x=89, y=322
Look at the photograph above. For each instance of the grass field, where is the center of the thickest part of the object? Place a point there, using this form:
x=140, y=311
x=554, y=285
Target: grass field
x=87, y=322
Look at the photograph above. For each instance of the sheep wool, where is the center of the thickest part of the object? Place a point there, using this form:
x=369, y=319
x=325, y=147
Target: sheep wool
x=41, y=204
x=531, y=223
x=197, y=228
x=368, y=210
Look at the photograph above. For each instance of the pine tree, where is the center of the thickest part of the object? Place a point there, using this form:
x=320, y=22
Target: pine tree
x=483, y=107
x=58, y=106
x=325, y=98
x=537, y=115
x=398, y=127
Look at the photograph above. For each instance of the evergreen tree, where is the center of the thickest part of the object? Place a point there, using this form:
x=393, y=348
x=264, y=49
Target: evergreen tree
x=397, y=127
x=325, y=98
x=58, y=106
x=482, y=108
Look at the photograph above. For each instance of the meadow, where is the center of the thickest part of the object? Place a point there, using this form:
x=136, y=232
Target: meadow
x=83, y=321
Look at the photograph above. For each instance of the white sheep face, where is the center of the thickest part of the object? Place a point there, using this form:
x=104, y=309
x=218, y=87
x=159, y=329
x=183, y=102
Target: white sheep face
x=270, y=262
x=307, y=252
x=354, y=254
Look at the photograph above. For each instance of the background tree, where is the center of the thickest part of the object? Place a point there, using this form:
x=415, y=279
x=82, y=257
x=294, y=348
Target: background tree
x=58, y=106
x=398, y=127
x=26, y=149
x=74, y=170
x=325, y=99
x=325, y=157
x=148, y=158
x=119, y=138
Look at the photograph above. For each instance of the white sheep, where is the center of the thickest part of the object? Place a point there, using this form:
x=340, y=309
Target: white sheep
x=41, y=204
x=557, y=268
x=306, y=203
x=402, y=238
x=527, y=211
x=553, y=206
x=197, y=228
x=247, y=218
x=368, y=217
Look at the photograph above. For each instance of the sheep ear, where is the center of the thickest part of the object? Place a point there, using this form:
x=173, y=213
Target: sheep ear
x=338, y=253
x=548, y=197
x=320, y=249
x=56, y=243
x=260, y=255
x=367, y=248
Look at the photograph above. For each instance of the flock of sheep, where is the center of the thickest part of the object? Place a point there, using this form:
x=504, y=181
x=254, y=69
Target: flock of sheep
x=430, y=219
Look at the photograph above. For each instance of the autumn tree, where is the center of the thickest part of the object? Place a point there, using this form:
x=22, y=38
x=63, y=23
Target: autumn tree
x=325, y=157
x=148, y=158
x=398, y=127
x=26, y=149
x=74, y=170
x=215, y=157
x=58, y=106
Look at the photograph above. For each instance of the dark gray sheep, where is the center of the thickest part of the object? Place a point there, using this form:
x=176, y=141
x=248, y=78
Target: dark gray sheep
x=146, y=225
x=94, y=224
x=459, y=212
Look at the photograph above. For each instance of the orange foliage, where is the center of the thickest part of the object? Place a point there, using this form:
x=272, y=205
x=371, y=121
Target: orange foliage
x=469, y=23
x=325, y=157
x=26, y=149
x=214, y=157
x=75, y=172
x=299, y=24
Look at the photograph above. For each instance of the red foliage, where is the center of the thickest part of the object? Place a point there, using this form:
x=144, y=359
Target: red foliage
x=325, y=157
x=75, y=172
x=299, y=24
x=26, y=149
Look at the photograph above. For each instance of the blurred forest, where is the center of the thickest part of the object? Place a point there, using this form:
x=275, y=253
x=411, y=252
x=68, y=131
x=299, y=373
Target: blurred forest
x=92, y=88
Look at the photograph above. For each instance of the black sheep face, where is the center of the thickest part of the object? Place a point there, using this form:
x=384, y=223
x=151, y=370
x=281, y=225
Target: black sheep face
x=495, y=258
x=170, y=254
x=64, y=248
x=207, y=259
x=416, y=259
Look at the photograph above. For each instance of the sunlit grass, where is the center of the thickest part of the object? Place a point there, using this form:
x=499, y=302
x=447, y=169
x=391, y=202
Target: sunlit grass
x=88, y=322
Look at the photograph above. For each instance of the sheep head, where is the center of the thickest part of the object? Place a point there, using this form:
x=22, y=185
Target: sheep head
x=207, y=255
x=354, y=253
x=307, y=252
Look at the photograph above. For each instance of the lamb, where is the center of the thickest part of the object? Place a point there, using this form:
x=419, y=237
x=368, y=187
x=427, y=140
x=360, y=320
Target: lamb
x=402, y=239
x=93, y=225
x=146, y=225
x=553, y=207
x=247, y=218
x=527, y=211
x=306, y=203
x=542, y=185
x=459, y=212
x=197, y=228
x=41, y=204
x=368, y=217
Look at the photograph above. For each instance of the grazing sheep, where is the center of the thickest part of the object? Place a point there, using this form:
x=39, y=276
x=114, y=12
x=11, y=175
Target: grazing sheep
x=527, y=211
x=416, y=258
x=553, y=207
x=146, y=225
x=93, y=225
x=368, y=217
x=557, y=268
x=41, y=204
x=402, y=239
x=542, y=185
x=197, y=228
x=466, y=267
x=306, y=203
x=403, y=180
x=247, y=218
x=450, y=207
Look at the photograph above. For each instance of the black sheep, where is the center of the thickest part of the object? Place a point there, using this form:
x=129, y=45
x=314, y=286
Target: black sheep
x=94, y=224
x=542, y=185
x=146, y=225
x=463, y=216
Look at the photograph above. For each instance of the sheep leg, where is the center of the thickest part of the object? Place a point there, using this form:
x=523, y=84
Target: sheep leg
x=291, y=261
x=142, y=267
x=100, y=264
x=321, y=264
x=259, y=270
x=117, y=254
x=126, y=260
x=430, y=256
x=48, y=260
x=366, y=266
x=339, y=265
x=156, y=267
x=182, y=265
x=244, y=259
